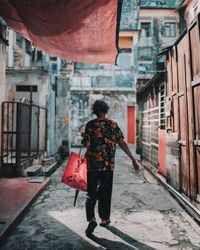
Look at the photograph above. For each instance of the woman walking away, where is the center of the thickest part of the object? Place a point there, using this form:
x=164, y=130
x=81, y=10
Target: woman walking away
x=100, y=138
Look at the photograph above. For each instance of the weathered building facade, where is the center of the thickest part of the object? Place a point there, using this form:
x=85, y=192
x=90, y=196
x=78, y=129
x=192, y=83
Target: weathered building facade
x=169, y=110
x=183, y=107
x=28, y=90
x=120, y=97
x=159, y=24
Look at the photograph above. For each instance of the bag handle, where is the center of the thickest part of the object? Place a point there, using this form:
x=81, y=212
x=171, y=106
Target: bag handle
x=80, y=150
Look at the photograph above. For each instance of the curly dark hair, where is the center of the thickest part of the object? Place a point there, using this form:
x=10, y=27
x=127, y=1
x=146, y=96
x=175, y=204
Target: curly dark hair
x=100, y=107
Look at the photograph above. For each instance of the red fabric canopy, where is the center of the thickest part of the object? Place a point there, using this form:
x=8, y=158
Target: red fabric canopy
x=77, y=30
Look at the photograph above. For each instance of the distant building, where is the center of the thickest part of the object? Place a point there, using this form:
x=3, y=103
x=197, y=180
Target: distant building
x=159, y=27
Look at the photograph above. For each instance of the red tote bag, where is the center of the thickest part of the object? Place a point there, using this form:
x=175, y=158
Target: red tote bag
x=75, y=174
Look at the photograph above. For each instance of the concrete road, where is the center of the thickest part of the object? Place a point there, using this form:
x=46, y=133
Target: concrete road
x=144, y=216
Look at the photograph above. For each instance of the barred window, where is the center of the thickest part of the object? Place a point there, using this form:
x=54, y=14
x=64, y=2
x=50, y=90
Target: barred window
x=170, y=30
x=146, y=29
x=145, y=53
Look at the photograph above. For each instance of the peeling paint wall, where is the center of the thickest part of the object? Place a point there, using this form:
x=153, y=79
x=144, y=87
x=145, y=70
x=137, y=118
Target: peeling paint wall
x=155, y=36
x=91, y=82
x=129, y=16
x=172, y=160
x=80, y=110
x=62, y=110
x=45, y=96
x=35, y=77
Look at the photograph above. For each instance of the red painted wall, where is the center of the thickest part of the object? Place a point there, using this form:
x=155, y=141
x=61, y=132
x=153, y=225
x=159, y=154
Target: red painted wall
x=162, y=152
x=131, y=124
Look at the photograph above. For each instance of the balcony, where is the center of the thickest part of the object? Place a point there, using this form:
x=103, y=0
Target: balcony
x=160, y=4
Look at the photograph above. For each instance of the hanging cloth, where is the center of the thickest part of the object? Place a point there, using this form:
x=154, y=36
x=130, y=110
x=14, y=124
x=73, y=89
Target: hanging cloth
x=77, y=30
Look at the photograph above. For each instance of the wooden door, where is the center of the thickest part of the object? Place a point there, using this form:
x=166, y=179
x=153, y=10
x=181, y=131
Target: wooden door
x=183, y=116
x=195, y=103
x=196, y=91
x=131, y=124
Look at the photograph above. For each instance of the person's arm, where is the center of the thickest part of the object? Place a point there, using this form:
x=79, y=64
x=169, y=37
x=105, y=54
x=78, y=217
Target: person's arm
x=124, y=146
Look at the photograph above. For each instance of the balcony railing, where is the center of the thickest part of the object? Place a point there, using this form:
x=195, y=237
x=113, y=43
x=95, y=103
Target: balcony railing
x=159, y=4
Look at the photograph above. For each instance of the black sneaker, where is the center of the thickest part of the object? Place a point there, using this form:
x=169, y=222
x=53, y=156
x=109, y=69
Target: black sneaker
x=90, y=228
x=105, y=224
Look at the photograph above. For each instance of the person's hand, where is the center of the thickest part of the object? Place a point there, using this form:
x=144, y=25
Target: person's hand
x=135, y=165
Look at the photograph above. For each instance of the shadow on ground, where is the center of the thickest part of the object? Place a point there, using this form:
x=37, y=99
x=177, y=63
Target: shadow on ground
x=116, y=245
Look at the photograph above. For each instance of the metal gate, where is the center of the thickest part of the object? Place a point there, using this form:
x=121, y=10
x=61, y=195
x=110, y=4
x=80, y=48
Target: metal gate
x=24, y=133
x=150, y=124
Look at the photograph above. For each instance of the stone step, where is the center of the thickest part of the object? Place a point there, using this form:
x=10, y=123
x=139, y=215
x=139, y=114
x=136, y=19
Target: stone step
x=34, y=170
x=47, y=170
x=37, y=179
x=48, y=161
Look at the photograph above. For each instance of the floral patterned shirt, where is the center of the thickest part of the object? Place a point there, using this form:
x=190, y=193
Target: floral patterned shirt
x=100, y=138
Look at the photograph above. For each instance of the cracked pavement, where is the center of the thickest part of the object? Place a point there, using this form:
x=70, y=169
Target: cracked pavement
x=144, y=216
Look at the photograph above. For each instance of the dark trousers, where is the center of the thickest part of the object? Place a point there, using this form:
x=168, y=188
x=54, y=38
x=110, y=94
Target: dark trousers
x=99, y=188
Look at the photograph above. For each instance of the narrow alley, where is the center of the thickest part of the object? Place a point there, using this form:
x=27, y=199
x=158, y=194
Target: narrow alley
x=135, y=66
x=144, y=216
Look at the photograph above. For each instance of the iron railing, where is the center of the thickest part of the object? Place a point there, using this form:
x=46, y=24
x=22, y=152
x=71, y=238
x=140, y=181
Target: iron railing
x=150, y=125
x=160, y=4
x=24, y=132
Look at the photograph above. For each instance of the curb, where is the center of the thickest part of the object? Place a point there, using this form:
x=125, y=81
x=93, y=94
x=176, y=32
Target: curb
x=193, y=211
x=10, y=225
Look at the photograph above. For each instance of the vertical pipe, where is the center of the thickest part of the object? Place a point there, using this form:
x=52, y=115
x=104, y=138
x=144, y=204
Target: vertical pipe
x=29, y=131
x=31, y=94
x=46, y=129
x=30, y=125
x=2, y=134
x=7, y=130
x=17, y=134
x=12, y=116
x=38, y=135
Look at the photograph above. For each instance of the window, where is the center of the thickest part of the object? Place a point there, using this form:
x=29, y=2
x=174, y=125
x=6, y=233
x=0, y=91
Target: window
x=39, y=55
x=53, y=58
x=146, y=29
x=19, y=40
x=170, y=30
x=28, y=47
x=124, y=59
x=145, y=68
x=162, y=106
x=54, y=69
x=145, y=53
